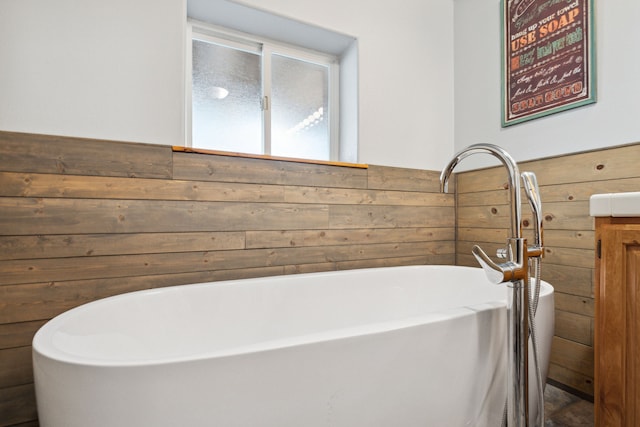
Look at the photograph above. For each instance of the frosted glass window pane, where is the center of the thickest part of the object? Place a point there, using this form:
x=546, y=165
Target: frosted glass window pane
x=299, y=109
x=226, y=111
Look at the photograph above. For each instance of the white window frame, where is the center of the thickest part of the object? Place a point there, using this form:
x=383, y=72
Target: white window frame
x=197, y=30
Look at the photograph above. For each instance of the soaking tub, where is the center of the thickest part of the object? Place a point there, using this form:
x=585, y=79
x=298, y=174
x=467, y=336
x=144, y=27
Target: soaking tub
x=399, y=346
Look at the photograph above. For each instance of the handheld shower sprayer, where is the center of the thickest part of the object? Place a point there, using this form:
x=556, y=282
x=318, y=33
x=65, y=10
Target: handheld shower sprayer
x=532, y=191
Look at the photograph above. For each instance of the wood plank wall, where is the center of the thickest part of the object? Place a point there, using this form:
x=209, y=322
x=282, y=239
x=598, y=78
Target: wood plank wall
x=84, y=219
x=566, y=183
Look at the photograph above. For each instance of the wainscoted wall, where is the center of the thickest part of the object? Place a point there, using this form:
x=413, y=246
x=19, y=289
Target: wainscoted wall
x=566, y=183
x=85, y=219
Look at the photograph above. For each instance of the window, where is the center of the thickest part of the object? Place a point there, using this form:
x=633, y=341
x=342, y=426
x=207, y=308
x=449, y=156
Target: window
x=260, y=97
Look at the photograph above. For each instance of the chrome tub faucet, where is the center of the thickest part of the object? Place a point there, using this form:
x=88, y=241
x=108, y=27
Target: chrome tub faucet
x=514, y=271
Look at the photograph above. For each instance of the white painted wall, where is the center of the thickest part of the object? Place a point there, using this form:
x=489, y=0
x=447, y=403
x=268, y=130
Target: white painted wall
x=93, y=68
x=405, y=73
x=114, y=70
x=613, y=120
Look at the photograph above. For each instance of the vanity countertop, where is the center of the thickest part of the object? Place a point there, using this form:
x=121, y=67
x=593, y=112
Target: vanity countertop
x=615, y=204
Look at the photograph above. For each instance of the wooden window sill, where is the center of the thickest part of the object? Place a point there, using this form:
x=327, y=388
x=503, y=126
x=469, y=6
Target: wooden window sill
x=181, y=149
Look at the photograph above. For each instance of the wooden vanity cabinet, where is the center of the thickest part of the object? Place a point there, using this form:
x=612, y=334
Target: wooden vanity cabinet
x=617, y=322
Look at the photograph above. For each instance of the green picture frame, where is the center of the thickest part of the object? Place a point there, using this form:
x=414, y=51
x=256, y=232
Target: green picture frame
x=548, y=57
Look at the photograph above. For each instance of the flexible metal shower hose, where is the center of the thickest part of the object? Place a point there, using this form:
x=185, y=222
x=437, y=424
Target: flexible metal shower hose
x=534, y=298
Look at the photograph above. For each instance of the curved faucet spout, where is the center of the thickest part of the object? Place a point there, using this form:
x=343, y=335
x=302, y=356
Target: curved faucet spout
x=514, y=178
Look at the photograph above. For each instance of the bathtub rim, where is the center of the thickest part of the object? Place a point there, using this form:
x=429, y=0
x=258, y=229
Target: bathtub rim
x=44, y=347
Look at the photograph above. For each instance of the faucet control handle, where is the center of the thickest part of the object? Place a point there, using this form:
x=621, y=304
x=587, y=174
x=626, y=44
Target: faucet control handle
x=496, y=273
x=502, y=253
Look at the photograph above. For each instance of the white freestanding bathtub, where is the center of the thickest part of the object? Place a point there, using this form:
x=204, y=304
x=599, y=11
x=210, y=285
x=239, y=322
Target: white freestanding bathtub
x=401, y=346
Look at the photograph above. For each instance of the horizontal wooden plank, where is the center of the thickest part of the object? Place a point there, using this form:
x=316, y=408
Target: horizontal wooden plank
x=18, y=404
x=584, y=190
x=574, y=327
x=202, y=167
x=15, y=367
x=493, y=235
x=576, y=239
x=564, y=216
x=429, y=259
x=487, y=179
x=569, y=280
x=495, y=216
x=485, y=198
x=596, y=165
x=556, y=216
x=570, y=378
x=575, y=304
x=297, y=238
x=497, y=197
x=569, y=257
x=570, y=353
x=600, y=165
x=43, y=301
x=341, y=216
x=21, y=152
x=441, y=259
x=348, y=196
x=393, y=178
x=24, y=216
x=78, y=245
x=98, y=187
x=64, y=269
x=317, y=267
x=51, y=185
x=18, y=334
x=551, y=195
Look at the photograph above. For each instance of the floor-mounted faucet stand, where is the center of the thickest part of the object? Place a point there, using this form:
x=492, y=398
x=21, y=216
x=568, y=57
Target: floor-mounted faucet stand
x=515, y=273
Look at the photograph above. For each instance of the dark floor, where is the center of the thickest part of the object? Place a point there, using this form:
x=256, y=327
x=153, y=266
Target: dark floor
x=562, y=409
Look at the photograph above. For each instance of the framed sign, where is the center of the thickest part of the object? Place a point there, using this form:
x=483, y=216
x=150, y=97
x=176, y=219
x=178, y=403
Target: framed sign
x=547, y=57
